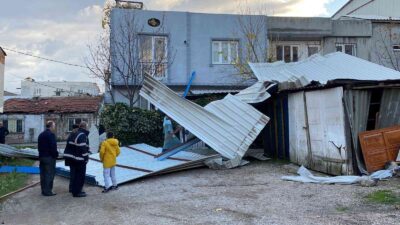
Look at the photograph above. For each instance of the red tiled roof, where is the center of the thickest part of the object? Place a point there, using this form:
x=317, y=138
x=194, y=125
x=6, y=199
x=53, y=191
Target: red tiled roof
x=53, y=105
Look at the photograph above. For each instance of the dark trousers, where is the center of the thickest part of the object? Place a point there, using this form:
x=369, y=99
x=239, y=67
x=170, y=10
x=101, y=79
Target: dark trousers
x=71, y=176
x=78, y=175
x=47, y=171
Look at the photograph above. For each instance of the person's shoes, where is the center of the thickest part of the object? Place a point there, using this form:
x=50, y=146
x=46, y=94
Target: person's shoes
x=79, y=195
x=105, y=190
x=48, y=194
x=114, y=187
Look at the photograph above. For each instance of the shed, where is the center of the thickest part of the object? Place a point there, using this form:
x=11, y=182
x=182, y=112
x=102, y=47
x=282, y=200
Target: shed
x=322, y=104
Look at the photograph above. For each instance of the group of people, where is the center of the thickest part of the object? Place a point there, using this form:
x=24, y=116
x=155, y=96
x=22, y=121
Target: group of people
x=76, y=155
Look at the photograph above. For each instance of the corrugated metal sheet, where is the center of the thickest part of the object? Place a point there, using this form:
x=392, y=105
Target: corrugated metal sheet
x=137, y=161
x=213, y=91
x=256, y=93
x=229, y=126
x=322, y=69
x=389, y=114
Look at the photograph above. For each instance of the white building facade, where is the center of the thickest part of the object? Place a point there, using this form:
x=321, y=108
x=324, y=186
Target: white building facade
x=31, y=88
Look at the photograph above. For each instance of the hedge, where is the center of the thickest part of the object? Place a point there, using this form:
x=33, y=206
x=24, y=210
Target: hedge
x=133, y=125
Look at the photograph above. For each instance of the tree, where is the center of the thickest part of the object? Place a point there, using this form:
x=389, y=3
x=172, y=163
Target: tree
x=99, y=62
x=122, y=57
x=253, y=28
x=387, y=38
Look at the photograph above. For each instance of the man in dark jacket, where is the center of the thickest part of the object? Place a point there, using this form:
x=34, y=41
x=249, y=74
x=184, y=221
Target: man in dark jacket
x=3, y=133
x=69, y=149
x=78, y=154
x=47, y=145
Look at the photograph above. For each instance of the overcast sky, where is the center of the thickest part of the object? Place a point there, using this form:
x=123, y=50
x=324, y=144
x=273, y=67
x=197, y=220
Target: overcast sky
x=61, y=30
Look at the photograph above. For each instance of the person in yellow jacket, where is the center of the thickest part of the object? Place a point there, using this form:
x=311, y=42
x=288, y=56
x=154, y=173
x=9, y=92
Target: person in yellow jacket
x=108, y=155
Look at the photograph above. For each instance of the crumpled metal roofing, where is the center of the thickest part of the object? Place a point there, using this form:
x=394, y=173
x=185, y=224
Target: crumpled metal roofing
x=323, y=69
x=256, y=93
x=138, y=161
x=229, y=126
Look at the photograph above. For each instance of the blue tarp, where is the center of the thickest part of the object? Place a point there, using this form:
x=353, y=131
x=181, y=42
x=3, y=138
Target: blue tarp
x=20, y=169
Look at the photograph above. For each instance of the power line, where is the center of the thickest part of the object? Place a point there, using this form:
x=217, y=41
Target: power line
x=43, y=58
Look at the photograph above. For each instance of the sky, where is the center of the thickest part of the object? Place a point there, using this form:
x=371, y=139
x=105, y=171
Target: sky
x=62, y=30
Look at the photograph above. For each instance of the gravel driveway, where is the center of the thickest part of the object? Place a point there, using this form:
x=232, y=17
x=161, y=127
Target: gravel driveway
x=253, y=194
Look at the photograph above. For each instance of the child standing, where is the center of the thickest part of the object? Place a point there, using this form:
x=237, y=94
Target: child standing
x=108, y=155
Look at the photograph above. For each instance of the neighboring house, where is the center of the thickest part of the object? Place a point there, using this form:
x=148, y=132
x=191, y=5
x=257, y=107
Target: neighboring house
x=2, y=65
x=367, y=29
x=26, y=118
x=384, y=8
x=208, y=44
x=31, y=88
x=294, y=39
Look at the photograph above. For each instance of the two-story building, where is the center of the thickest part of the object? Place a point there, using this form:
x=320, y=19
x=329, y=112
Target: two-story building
x=212, y=44
x=367, y=29
x=209, y=44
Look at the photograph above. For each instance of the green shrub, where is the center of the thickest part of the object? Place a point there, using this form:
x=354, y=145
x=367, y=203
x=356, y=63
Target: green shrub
x=133, y=125
x=205, y=99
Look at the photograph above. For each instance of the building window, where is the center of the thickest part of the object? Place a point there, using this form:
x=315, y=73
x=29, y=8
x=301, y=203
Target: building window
x=37, y=92
x=58, y=92
x=154, y=55
x=225, y=52
x=73, y=121
x=349, y=49
x=14, y=126
x=396, y=48
x=287, y=53
x=313, y=49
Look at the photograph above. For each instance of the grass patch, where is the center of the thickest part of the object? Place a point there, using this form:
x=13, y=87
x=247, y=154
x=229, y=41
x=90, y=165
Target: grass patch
x=10, y=182
x=342, y=208
x=383, y=197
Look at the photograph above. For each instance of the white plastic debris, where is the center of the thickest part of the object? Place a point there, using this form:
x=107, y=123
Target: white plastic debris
x=305, y=176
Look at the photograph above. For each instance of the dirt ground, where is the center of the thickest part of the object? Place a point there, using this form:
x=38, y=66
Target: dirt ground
x=253, y=194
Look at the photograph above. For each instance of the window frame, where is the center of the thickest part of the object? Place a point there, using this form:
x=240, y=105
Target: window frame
x=164, y=62
x=396, y=48
x=343, y=46
x=6, y=124
x=292, y=46
x=220, y=58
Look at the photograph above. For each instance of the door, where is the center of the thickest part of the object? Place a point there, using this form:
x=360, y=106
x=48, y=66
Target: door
x=317, y=131
x=379, y=147
x=298, y=144
x=325, y=112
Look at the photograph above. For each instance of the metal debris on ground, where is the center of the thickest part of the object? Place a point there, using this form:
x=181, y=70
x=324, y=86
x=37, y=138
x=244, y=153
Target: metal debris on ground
x=10, y=151
x=305, y=176
x=138, y=161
